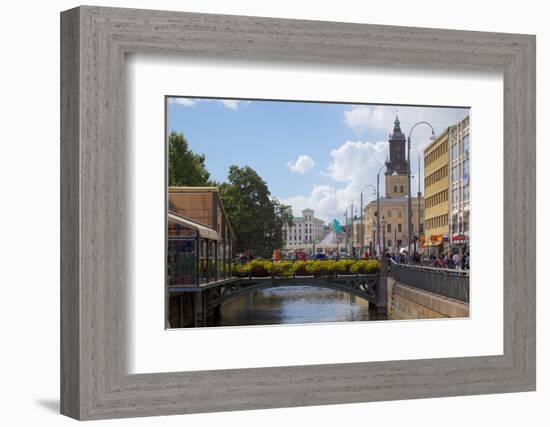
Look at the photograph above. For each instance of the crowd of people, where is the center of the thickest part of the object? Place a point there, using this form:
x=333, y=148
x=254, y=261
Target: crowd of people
x=448, y=259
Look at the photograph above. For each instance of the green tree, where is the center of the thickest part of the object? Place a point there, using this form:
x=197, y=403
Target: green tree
x=256, y=217
x=185, y=168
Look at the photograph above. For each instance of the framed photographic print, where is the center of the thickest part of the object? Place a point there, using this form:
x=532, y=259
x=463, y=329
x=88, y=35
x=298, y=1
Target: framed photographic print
x=292, y=213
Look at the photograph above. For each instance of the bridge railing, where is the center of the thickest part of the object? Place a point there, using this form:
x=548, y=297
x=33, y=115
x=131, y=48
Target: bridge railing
x=308, y=258
x=454, y=284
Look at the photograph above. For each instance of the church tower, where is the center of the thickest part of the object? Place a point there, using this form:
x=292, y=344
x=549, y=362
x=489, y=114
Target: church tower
x=396, y=165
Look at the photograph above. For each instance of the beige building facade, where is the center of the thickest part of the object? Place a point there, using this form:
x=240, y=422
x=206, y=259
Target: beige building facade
x=447, y=187
x=436, y=191
x=393, y=223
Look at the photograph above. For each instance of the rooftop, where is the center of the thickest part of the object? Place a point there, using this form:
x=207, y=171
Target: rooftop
x=193, y=190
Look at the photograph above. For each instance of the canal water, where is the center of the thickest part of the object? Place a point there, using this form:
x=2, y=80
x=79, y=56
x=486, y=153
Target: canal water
x=294, y=305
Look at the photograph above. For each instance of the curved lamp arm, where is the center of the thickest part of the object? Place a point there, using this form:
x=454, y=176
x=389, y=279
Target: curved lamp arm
x=422, y=123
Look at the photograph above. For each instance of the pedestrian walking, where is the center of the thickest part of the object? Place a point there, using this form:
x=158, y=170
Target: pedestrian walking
x=456, y=260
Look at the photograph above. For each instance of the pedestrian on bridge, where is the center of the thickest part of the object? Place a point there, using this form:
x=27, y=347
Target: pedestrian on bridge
x=456, y=260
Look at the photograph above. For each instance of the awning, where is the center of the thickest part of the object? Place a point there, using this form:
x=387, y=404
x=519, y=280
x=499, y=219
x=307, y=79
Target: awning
x=204, y=231
x=436, y=238
x=459, y=238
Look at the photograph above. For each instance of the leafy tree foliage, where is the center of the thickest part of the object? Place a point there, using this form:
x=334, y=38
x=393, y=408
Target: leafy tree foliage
x=256, y=217
x=185, y=168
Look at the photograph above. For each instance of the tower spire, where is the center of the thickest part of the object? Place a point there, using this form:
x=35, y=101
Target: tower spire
x=396, y=165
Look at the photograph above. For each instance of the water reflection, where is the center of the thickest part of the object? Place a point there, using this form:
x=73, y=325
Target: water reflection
x=294, y=304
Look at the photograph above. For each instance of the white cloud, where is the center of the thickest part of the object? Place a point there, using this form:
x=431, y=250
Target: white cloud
x=186, y=102
x=362, y=117
x=232, y=104
x=323, y=199
x=354, y=165
x=301, y=165
x=354, y=161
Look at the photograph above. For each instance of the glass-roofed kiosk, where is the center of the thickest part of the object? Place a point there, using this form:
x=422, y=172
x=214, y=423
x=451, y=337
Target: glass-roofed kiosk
x=200, y=238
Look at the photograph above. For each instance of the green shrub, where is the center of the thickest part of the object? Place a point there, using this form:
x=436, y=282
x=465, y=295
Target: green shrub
x=259, y=268
x=266, y=268
x=318, y=268
x=364, y=267
x=342, y=266
x=281, y=269
x=241, y=270
x=373, y=266
x=299, y=268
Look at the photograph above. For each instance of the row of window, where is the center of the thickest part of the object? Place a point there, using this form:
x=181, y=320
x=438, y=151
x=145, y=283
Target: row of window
x=437, y=198
x=389, y=214
x=401, y=190
x=441, y=150
x=438, y=221
x=436, y=176
x=465, y=148
x=465, y=171
x=297, y=237
x=400, y=228
x=465, y=194
x=389, y=228
x=299, y=225
x=460, y=226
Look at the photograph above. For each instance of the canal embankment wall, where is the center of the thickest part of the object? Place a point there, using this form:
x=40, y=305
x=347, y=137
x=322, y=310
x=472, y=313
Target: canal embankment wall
x=406, y=302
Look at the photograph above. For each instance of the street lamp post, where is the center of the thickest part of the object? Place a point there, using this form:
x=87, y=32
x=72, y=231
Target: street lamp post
x=378, y=210
x=352, y=231
x=362, y=233
x=418, y=199
x=383, y=235
x=346, y=228
x=409, y=204
x=349, y=242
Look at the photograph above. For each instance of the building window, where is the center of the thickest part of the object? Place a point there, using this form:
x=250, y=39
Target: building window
x=466, y=168
x=466, y=191
x=395, y=188
x=401, y=189
x=399, y=228
x=389, y=227
x=455, y=196
x=389, y=242
x=388, y=214
x=454, y=227
x=454, y=173
x=466, y=145
x=454, y=151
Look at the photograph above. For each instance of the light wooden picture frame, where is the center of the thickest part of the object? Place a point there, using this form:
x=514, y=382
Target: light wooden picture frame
x=94, y=42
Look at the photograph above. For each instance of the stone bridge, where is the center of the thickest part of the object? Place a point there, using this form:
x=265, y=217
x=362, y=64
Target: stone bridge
x=208, y=298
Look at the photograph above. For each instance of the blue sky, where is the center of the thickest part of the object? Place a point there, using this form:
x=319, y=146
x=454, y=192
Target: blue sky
x=315, y=155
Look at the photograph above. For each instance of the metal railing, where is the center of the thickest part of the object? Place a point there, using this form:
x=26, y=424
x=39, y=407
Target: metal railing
x=454, y=284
